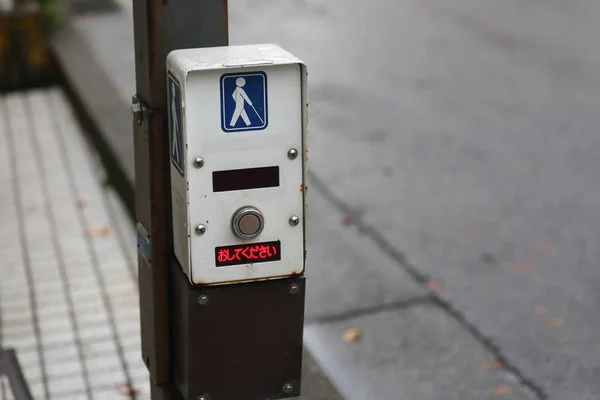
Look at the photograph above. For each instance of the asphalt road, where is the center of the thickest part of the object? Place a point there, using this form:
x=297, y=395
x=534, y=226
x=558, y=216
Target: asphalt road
x=453, y=150
x=463, y=139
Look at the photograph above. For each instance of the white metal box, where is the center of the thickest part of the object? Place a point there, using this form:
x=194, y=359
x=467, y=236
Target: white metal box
x=237, y=131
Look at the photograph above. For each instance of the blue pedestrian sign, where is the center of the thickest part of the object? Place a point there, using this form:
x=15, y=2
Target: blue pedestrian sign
x=244, y=102
x=175, y=123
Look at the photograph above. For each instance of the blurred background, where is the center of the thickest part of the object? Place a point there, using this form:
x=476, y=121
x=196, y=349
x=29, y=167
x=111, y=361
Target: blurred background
x=454, y=202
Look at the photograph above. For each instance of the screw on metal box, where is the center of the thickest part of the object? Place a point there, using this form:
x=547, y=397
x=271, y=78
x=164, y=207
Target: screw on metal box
x=203, y=300
x=203, y=397
x=288, y=388
x=294, y=220
x=294, y=289
x=247, y=222
x=292, y=154
x=198, y=162
x=200, y=229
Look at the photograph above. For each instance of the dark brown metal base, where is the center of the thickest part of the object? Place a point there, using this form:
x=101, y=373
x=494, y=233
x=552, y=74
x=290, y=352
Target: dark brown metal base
x=237, y=342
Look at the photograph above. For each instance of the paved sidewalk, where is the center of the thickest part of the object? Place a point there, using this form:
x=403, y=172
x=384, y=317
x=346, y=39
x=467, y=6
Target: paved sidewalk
x=68, y=275
x=68, y=296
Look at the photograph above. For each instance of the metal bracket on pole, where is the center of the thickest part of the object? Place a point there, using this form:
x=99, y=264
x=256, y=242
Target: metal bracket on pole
x=140, y=111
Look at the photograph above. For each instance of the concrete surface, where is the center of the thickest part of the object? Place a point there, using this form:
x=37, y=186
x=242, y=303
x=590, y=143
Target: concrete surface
x=420, y=348
x=463, y=138
x=348, y=273
x=460, y=139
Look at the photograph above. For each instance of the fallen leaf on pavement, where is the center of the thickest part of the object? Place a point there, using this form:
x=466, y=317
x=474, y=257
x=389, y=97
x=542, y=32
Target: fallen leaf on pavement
x=126, y=389
x=348, y=173
x=540, y=244
x=348, y=220
x=495, y=217
x=398, y=342
x=428, y=217
x=458, y=257
x=80, y=204
x=501, y=391
x=351, y=335
x=556, y=322
x=568, y=351
x=541, y=310
x=433, y=287
x=104, y=231
x=522, y=268
x=490, y=366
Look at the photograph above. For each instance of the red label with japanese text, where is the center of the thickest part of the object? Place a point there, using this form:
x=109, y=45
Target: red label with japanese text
x=247, y=253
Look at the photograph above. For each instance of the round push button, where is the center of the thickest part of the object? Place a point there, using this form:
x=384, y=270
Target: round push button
x=247, y=222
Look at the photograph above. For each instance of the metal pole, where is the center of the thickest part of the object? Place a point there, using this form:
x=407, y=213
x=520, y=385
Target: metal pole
x=159, y=27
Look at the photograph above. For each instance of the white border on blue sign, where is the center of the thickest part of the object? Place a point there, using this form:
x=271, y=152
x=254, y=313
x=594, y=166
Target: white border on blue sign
x=265, y=98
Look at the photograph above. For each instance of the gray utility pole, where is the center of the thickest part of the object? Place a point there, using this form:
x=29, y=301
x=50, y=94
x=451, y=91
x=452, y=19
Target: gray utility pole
x=200, y=342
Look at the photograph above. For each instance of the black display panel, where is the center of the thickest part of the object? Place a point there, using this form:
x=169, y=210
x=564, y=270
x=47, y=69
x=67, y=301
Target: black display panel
x=245, y=179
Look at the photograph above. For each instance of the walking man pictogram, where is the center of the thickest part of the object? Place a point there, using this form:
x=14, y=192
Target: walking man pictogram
x=241, y=98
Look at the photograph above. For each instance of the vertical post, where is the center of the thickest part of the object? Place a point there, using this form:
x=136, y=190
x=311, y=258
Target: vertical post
x=159, y=27
x=9, y=366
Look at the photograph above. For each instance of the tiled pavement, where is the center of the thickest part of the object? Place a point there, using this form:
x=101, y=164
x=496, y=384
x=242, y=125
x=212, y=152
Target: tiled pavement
x=68, y=296
x=68, y=274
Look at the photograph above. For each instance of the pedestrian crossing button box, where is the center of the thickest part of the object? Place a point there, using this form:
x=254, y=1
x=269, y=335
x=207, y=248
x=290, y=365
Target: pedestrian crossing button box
x=237, y=135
